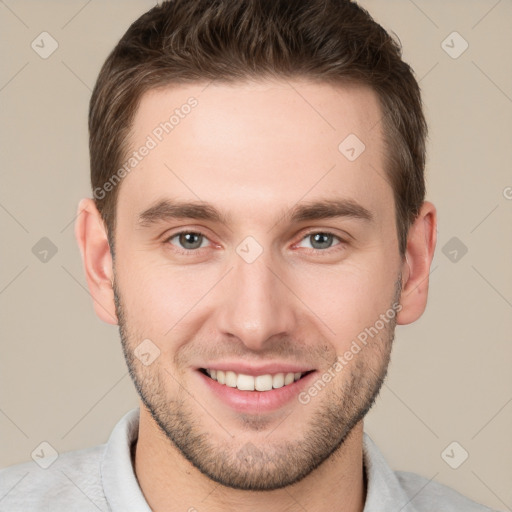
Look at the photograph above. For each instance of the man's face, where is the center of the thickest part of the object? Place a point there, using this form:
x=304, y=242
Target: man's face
x=259, y=287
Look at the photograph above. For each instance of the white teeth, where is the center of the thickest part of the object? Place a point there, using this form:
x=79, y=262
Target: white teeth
x=263, y=383
x=289, y=378
x=245, y=382
x=278, y=380
x=250, y=383
x=231, y=379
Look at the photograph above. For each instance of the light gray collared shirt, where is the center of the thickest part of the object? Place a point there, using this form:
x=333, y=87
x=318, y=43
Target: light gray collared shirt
x=102, y=478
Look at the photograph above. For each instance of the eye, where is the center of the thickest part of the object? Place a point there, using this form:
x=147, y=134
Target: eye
x=188, y=240
x=191, y=241
x=321, y=240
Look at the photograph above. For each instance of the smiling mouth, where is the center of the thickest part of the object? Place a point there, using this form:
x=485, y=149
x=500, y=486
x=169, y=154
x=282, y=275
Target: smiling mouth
x=244, y=382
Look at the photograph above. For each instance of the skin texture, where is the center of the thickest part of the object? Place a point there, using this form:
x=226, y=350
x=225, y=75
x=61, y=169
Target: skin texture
x=254, y=151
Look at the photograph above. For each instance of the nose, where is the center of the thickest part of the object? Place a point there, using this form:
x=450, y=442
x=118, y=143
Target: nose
x=257, y=303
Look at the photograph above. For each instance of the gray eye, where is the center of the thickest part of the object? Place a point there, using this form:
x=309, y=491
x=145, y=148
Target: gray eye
x=189, y=240
x=320, y=240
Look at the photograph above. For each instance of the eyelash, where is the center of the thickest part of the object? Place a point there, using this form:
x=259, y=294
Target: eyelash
x=192, y=252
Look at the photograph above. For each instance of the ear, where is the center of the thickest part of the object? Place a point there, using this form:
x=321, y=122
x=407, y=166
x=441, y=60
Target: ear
x=91, y=235
x=421, y=243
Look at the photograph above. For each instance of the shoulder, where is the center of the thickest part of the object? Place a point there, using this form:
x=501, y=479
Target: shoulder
x=73, y=480
x=390, y=490
x=427, y=495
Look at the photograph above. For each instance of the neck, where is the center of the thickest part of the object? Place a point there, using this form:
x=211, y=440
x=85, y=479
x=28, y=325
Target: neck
x=171, y=483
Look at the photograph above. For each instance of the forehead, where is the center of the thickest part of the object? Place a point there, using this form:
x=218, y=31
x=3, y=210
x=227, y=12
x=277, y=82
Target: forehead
x=261, y=145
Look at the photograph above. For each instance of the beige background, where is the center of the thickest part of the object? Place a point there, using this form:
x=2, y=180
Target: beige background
x=63, y=376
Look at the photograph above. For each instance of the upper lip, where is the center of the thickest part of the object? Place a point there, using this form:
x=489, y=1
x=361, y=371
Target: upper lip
x=254, y=370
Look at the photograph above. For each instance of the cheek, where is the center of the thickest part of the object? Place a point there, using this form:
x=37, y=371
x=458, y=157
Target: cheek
x=159, y=297
x=350, y=297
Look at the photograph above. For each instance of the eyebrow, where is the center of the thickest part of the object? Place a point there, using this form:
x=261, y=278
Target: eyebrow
x=165, y=210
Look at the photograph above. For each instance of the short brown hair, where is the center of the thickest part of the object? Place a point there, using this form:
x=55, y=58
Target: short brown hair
x=333, y=41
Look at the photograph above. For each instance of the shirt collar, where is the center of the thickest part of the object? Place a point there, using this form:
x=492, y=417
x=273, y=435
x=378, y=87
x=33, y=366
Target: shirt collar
x=123, y=494
x=120, y=484
x=384, y=492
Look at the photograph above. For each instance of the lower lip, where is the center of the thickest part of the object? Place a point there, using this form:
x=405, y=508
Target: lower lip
x=257, y=401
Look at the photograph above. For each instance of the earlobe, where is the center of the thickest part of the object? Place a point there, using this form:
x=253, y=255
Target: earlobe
x=421, y=243
x=91, y=236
